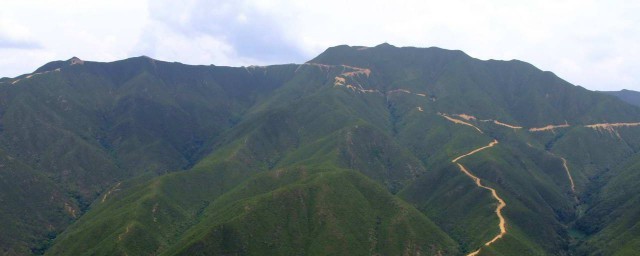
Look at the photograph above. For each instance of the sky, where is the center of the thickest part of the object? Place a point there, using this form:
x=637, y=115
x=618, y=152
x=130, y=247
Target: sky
x=594, y=44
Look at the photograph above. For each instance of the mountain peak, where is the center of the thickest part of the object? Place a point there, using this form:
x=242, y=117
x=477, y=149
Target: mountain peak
x=75, y=61
x=385, y=45
x=59, y=64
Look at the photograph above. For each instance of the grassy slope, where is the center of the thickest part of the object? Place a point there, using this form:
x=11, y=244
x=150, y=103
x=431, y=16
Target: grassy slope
x=609, y=215
x=318, y=213
x=615, y=217
x=49, y=207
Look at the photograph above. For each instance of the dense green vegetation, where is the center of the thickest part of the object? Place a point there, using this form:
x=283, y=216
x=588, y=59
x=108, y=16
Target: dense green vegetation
x=347, y=154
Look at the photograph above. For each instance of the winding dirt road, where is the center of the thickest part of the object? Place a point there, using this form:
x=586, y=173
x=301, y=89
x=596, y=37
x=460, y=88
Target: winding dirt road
x=550, y=127
x=457, y=121
x=34, y=74
x=507, y=125
x=573, y=185
x=501, y=204
x=493, y=143
x=111, y=191
x=564, y=164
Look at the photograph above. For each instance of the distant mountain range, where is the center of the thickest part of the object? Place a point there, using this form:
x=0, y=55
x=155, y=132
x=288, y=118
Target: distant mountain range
x=360, y=151
x=628, y=96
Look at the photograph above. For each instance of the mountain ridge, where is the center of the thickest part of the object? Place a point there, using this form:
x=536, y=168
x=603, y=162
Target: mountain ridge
x=167, y=158
x=629, y=96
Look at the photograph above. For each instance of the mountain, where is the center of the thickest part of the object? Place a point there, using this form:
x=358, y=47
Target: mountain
x=629, y=96
x=360, y=151
x=79, y=128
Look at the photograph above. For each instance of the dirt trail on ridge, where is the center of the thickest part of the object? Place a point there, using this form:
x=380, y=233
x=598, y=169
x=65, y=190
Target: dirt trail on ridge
x=566, y=169
x=502, y=225
x=457, y=121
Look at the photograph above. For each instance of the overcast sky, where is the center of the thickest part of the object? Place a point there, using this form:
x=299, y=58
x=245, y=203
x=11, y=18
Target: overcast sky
x=595, y=44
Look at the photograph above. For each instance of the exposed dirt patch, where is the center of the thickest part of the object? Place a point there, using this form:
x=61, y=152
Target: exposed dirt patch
x=370, y=91
x=406, y=91
x=76, y=61
x=153, y=212
x=339, y=81
x=400, y=90
x=550, y=127
x=114, y=189
x=457, y=121
x=70, y=210
x=356, y=71
x=611, y=127
x=127, y=229
x=507, y=125
x=466, y=117
x=608, y=125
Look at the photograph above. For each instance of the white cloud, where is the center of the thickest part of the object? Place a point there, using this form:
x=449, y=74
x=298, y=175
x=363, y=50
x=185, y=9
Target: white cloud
x=161, y=42
x=587, y=42
x=13, y=35
x=250, y=27
x=102, y=31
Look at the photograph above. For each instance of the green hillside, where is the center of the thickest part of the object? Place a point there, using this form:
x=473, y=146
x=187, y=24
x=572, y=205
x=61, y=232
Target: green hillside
x=348, y=154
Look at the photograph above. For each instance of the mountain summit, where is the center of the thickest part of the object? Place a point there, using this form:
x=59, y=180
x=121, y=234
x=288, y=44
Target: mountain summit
x=360, y=151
